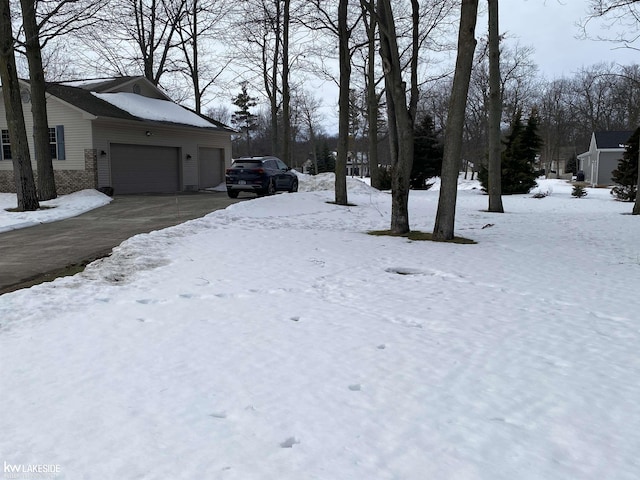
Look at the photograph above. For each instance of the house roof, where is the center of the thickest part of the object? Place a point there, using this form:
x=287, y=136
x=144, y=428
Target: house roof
x=84, y=100
x=100, y=97
x=612, y=139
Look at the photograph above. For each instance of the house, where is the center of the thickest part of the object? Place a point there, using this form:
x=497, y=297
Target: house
x=605, y=150
x=123, y=133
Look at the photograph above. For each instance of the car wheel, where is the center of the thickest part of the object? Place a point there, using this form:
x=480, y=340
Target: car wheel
x=232, y=193
x=294, y=186
x=271, y=188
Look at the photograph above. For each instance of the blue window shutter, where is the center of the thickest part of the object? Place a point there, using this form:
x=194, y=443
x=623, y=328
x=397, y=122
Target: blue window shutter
x=60, y=139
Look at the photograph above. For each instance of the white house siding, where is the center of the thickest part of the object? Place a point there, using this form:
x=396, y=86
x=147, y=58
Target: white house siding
x=77, y=133
x=187, y=140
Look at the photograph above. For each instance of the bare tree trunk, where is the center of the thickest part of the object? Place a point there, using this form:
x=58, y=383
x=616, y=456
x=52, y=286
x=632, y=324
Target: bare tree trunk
x=400, y=119
x=343, y=104
x=23, y=174
x=195, y=74
x=314, y=154
x=286, y=94
x=445, y=217
x=46, y=180
x=495, y=112
x=372, y=97
x=272, y=86
x=636, y=205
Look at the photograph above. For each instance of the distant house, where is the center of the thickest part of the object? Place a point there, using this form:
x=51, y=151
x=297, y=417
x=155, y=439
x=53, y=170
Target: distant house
x=123, y=133
x=605, y=149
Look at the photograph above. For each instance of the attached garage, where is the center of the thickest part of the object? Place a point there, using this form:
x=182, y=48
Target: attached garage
x=211, y=161
x=144, y=169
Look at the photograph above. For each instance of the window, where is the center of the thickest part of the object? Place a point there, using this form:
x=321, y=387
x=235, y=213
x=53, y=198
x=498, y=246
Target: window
x=53, y=143
x=56, y=142
x=6, y=145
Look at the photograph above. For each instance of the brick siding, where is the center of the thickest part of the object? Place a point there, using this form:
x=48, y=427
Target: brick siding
x=67, y=181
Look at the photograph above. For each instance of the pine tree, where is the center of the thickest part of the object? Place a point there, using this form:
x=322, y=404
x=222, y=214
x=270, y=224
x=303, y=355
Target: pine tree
x=243, y=118
x=531, y=141
x=521, y=148
x=427, y=153
x=626, y=175
x=578, y=191
x=326, y=159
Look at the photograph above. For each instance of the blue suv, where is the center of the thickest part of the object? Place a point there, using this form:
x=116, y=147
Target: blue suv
x=260, y=175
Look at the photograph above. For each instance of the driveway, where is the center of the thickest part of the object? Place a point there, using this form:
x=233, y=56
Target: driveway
x=44, y=252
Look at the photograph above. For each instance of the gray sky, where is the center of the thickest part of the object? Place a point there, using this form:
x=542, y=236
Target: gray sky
x=549, y=26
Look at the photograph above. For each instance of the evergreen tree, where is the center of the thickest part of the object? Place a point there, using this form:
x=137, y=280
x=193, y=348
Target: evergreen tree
x=427, y=153
x=571, y=165
x=518, y=158
x=326, y=159
x=578, y=191
x=626, y=175
x=243, y=118
x=531, y=141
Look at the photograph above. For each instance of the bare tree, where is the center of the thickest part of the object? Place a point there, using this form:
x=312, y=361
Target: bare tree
x=373, y=98
x=220, y=113
x=46, y=180
x=42, y=23
x=445, y=217
x=557, y=123
x=23, y=174
x=309, y=108
x=400, y=114
x=616, y=21
x=495, y=112
x=322, y=18
x=286, y=87
x=197, y=29
x=269, y=46
x=136, y=36
x=344, y=53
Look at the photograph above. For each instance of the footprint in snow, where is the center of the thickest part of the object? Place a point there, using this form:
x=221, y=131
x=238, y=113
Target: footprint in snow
x=404, y=271
x=289, y=442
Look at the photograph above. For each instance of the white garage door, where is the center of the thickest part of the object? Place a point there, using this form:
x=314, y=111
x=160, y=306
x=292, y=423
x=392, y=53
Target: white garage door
x=211, y=166
x=144, y=169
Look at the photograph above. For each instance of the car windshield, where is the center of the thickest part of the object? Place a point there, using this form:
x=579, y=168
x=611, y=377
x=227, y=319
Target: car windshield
x=246, y=164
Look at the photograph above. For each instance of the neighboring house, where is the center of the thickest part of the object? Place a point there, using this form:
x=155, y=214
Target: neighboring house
x=123, y=133
x=605, y=151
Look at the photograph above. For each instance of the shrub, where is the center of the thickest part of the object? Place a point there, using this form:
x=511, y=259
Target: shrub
x=578, y=191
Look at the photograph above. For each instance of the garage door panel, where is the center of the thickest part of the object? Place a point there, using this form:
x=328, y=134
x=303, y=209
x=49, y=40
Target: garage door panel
x=211, y=166
x=144, y=169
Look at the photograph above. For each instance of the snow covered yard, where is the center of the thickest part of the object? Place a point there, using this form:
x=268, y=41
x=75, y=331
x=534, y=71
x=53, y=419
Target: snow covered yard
x=276, y=340
x=64, y=206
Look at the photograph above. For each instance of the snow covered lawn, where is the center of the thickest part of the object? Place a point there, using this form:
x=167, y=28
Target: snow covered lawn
x=276, y=340
x=64, y=206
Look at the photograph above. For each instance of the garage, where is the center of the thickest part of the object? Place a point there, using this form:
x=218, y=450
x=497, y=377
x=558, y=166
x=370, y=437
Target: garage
x=144, y=169
x=211, y=166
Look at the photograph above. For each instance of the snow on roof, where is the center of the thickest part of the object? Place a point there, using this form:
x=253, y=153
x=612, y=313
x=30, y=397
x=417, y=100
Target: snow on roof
x=86, y=83
x=153, y=109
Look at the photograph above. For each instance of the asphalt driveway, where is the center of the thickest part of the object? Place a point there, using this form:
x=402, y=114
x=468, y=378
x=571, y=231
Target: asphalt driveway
x=44, y=252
